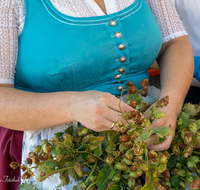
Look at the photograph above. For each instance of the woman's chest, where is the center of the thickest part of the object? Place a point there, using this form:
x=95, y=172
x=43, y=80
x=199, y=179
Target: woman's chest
x=57, y=52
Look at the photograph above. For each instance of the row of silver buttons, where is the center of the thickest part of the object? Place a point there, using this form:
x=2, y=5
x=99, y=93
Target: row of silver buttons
x=122, y=59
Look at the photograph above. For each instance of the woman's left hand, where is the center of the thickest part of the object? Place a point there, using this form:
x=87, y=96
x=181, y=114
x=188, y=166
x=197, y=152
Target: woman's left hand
x=169, y=120
x=176, y=65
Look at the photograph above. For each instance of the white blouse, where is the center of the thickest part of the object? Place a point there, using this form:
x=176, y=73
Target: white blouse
x=12, y=15
x=189, y=11
x=190, y=16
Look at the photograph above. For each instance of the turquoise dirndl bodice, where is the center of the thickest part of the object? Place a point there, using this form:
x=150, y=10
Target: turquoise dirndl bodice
x=63, y=53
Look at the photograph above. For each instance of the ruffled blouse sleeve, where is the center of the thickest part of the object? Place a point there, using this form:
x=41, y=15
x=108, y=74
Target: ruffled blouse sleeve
x=168, y=19
x=9, y=18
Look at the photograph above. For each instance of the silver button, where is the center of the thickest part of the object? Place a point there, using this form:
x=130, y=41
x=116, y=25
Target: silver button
x=122, y=59
x=121, y=70
x=119, y=88
x=121, y=46
x=118, y=34
x=113, y=22
x=118, y=76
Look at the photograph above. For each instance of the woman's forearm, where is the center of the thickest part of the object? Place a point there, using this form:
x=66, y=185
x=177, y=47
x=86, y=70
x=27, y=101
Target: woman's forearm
x=22, y=110
x=176, y=70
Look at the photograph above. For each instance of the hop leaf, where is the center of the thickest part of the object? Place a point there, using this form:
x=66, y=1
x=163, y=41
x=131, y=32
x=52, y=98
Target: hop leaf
x=95, y=142
x=161, y=131
x=70, y=130
x=68, y=140
x=111, y=146
x=145, y=136
x=191, y=109
x=184, y=118
x=104, y=177
x=175, y=182
x=64, y=176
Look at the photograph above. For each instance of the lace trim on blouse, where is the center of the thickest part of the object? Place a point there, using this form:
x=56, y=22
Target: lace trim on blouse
x=12, y=16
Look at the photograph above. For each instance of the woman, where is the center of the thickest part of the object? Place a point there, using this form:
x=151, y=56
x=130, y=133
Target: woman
x=69, y=68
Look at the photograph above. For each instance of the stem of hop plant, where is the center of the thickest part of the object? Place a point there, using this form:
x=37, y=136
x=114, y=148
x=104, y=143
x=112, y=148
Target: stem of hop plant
x=146, y=153
x=124, y=181
x=196, y=152
x=121, y=100
x=90, y=154
x=92, y=184
x=120, y=106
x=91, y=167
x=183, y=179
x=86, y=181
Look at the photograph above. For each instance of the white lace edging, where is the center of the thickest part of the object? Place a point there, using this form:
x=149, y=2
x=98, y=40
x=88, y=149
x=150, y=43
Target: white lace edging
x=6, y=81
x=174, y=35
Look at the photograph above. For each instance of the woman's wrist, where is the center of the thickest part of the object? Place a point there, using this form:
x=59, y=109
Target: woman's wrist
x=175, y=103
x=69, y=105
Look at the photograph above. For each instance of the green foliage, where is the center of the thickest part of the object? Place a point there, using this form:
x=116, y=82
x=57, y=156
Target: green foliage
x=70, y=130
x=95, y=142
x=27, y=186
x=113, y=160
x=115, y=187
x=138, y=98
x=68, y=140
x=145, y=136
x=175, y=182
x=198, y=124
x=191, y=109
x=111, y=146
x=161, y=131
x=104, y=177
x=64, y=178
x=151, y=179
x=184, y=120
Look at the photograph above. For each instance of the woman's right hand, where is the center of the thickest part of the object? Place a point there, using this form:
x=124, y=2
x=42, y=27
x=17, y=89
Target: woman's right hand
x=98, y=110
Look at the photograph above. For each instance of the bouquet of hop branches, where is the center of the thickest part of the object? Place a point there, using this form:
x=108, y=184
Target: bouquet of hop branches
x=120, y=160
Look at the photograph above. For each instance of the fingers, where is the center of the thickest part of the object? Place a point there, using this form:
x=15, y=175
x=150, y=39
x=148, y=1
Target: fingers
x=162, y=146
x=152, y=140
x=100, y=122
x=114, y=116
x=115, y=104
x=166, y=144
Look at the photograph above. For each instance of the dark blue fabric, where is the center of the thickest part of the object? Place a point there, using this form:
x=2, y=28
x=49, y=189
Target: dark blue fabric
x=197, y=67
x=193, y=95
